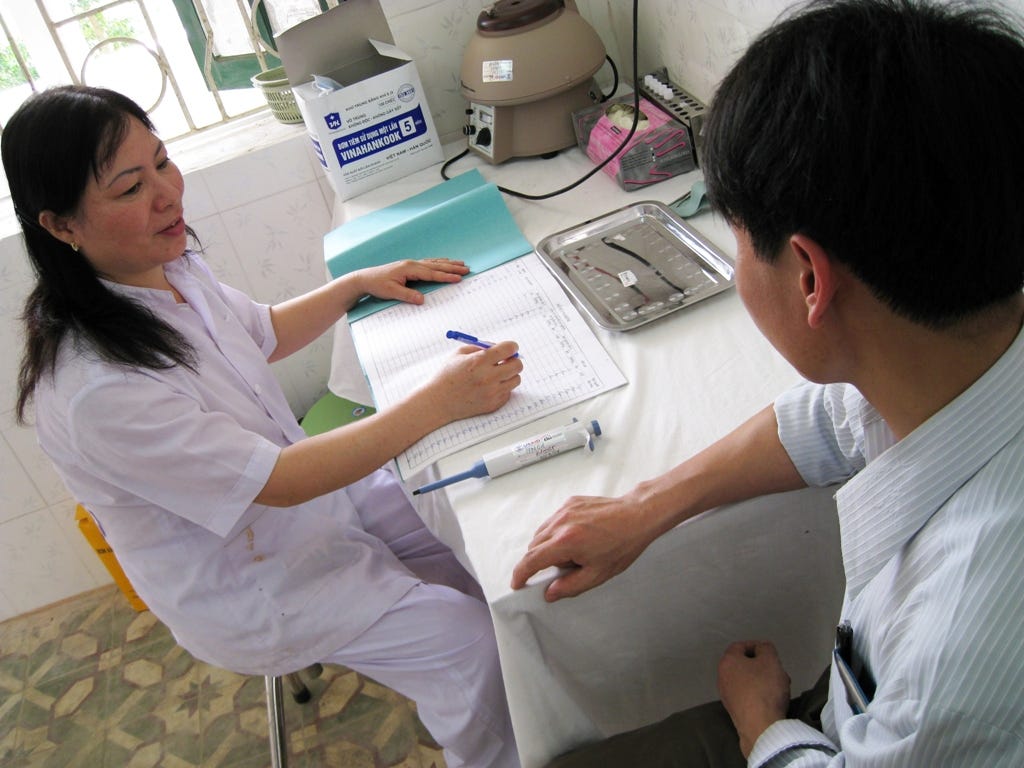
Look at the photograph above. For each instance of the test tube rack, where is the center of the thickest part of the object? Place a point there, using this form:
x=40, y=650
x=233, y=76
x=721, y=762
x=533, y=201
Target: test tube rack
x=677, y=103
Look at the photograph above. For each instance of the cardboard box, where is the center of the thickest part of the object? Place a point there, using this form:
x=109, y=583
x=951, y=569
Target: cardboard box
x=377, y=127
x=659, y=149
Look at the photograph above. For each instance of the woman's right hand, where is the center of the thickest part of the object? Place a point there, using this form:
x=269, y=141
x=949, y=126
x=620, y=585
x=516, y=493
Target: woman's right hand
x=475, y=381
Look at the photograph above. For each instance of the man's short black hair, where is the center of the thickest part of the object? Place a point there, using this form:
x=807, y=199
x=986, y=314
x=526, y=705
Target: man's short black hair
x=892, y=133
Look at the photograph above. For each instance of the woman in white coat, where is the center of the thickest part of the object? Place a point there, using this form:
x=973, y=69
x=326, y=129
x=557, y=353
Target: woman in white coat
x=262, y=550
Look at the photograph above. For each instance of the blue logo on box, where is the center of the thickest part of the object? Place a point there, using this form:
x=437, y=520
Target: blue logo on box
x=406, y=92
x=380, y=137
x=333, y=120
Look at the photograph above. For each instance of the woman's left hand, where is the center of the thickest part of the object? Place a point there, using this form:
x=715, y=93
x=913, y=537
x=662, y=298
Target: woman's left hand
x=391, y=281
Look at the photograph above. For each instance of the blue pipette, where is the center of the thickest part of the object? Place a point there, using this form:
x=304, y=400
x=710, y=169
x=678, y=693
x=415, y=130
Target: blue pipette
x=526, y=452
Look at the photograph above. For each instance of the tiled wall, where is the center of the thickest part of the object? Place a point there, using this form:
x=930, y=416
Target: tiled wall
x=261, y=216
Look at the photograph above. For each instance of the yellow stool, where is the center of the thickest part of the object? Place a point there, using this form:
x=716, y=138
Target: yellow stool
x=91, y=530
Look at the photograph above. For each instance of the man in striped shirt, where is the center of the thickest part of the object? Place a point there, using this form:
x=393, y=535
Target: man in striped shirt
x=868, y=155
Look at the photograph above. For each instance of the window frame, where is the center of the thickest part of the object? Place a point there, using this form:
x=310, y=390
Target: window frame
x=228, y=72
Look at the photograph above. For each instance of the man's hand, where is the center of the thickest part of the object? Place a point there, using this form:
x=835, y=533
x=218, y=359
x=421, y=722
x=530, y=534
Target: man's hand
x=754, y=689
x=595, y=537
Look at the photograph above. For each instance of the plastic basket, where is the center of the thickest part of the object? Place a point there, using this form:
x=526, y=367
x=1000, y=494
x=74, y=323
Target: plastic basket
x=275, y=88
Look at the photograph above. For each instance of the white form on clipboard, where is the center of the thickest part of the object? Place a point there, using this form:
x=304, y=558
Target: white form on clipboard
x=404, y=345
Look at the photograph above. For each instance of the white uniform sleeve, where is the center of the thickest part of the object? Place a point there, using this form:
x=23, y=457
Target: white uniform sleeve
x=140, y=435
x=252, y=315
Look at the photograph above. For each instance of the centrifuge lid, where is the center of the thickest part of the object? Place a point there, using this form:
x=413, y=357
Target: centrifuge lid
x=507, y=15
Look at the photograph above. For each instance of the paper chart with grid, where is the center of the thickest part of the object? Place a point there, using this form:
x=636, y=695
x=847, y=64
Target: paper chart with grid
x=403, y=346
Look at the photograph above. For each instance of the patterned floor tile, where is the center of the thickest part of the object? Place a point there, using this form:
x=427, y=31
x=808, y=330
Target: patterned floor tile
x=91, y=683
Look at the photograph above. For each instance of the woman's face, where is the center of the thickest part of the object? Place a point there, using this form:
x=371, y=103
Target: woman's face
x=129, y=222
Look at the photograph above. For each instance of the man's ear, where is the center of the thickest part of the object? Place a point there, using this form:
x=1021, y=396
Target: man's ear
x=58, y=226
x=818, y=277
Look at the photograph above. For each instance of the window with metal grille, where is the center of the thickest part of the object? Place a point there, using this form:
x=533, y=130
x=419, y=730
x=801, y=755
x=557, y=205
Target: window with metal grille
x=188, y=62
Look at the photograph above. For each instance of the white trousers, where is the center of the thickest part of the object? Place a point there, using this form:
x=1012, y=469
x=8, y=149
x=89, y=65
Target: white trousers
x=436, y=644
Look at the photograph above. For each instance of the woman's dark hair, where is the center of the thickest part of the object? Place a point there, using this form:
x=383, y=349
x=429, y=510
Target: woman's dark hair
x=51, y=146
x=890, y=132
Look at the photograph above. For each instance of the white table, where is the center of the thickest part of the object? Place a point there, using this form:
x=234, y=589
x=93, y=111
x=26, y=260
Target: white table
x=647, y=643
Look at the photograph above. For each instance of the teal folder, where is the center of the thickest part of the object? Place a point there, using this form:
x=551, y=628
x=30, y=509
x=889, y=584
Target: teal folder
x=462, y=218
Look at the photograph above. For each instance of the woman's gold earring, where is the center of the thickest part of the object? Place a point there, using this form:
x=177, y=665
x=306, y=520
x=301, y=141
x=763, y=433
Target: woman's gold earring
x=74, y=246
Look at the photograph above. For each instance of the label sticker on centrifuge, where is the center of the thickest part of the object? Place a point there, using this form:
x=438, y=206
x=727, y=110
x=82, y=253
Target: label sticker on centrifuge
x=627, y=278
x=498, y=71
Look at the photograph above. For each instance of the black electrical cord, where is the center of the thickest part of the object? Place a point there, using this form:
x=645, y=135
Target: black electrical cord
x=449, y=161
x=615, y=79
x=603, y=163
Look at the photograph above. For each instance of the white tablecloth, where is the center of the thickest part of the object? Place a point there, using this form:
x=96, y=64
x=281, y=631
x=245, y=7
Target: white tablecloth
x=647, y=643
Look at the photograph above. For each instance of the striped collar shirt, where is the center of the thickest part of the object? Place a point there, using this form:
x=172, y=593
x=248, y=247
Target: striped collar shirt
x=932, y=531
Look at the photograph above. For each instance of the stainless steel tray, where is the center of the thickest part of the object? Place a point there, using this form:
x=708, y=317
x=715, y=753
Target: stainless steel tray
x=635, y=264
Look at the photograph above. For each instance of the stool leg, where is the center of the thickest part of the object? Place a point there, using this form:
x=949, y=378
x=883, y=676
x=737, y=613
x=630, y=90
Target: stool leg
x=299, y=690
x=275, y=722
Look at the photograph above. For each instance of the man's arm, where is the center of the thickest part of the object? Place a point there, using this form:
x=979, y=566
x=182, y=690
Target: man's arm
x=597, y=537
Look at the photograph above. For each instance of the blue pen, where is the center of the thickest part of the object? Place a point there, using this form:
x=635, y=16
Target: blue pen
x=465, y=338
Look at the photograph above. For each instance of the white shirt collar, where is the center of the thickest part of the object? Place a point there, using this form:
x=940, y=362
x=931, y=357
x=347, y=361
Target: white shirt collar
x=895, y=495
